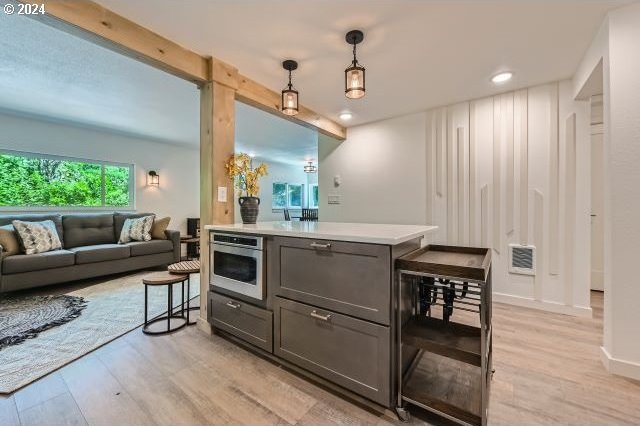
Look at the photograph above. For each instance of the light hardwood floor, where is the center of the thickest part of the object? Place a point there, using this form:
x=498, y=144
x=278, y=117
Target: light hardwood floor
x=547, y=372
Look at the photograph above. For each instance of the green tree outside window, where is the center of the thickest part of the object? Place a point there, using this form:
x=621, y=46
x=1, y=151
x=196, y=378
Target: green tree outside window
x=32, y=181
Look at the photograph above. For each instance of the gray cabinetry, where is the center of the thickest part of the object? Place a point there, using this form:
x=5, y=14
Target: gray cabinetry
x=243, y=320
x=347, y=351
x=350, y=278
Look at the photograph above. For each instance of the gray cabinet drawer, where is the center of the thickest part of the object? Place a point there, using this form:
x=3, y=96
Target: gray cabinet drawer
x=245, y=321
x=350, y=352
x=350, y=278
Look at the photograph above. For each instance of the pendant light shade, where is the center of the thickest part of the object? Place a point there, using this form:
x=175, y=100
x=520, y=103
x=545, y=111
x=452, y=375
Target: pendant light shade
x=354, y=75
x=289, y=103
x=310, y=168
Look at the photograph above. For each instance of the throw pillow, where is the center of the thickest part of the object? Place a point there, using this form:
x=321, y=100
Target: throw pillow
x=38, y=237
x=158, y=228
x=9, y=241
x=136, y=230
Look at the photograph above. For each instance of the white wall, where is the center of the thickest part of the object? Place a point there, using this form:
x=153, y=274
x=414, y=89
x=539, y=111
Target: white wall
x=278, y=172
x=485, y=172
x=616, y=47
x=178, y=166
x=621, y=105
x=382, y=169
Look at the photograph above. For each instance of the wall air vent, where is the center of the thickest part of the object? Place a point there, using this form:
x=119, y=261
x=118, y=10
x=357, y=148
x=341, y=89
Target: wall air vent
x=522, y=259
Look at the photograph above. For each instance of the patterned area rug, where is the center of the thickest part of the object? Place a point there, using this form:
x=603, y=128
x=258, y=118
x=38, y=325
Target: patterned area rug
x=24, y=317
x=113, y=308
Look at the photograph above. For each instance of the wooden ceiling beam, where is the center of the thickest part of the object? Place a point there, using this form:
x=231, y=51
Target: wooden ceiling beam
x=255, y=94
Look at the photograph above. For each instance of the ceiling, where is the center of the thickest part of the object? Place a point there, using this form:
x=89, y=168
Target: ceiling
x=72, y=81
x=418, y=54
x=47, y=73
x=273, y=138
x=439, y=51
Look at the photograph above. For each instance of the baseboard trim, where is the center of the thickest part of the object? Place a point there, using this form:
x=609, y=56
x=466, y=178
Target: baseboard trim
x=619, y=367
x=558, y=308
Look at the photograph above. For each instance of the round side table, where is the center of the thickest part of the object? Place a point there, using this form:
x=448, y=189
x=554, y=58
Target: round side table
x=166, y=279
x=187, y=267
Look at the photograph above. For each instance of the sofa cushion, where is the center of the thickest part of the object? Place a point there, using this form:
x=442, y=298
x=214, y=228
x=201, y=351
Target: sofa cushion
x=36, y=262
x=118, y=221
x=100, y=253
x=37, y=237
x=142, y=248
x=56, y=218
x=9, y=241
x=88, y=229
x=158, y=228
x=136, y=230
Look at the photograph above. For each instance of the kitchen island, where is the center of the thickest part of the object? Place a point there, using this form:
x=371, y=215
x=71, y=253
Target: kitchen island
x=318, y=297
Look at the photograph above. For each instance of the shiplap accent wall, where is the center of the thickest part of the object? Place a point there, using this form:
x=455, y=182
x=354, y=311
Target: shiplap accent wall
x=488, y=172
x=502, y=170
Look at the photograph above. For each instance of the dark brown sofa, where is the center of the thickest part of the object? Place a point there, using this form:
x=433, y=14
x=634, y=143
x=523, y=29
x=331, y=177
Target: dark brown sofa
x=90, y=249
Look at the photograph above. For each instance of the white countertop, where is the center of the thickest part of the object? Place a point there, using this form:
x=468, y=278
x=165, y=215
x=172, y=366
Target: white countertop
x=354, y=232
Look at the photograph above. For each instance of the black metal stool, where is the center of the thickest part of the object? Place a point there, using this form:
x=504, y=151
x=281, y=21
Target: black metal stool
x=164, y=278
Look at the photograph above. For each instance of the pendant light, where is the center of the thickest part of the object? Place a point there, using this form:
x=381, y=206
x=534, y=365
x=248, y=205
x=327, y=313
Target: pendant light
x=289, y=94
x=310, y=168
x=354, y=75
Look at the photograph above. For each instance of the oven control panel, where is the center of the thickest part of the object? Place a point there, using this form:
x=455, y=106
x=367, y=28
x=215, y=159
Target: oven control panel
x=237, y=240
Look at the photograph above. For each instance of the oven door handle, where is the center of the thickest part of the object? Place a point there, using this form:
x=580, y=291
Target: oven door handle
x=239, y=251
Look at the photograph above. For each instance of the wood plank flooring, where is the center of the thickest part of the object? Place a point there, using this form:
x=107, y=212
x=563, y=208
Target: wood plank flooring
x=547, y=365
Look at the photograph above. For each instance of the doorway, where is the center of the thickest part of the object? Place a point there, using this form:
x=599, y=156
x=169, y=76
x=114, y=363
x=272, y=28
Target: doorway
x=597, y=194
x=289, y=192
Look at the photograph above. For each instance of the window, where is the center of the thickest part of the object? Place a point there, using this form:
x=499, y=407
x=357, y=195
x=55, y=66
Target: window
x=44, y=181
x=295, y=196
x=279, y=196
x=287, y=196
x=313, y=196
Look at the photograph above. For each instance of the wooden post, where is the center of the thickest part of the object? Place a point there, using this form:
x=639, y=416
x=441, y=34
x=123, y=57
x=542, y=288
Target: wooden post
x=217, y=131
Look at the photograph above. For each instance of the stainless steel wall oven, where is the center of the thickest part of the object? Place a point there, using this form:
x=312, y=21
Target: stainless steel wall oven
x=237, y=264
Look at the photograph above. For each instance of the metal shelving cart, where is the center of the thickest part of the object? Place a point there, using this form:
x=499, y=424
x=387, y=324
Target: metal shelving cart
x=444, y=325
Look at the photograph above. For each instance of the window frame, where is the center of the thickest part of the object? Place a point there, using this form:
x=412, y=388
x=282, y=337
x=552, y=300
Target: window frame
x=286, y=196
x=310, y=195
x=302, y=195
x=102, y=163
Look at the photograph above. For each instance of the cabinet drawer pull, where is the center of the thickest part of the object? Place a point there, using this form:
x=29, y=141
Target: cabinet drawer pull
x=316, y=315
x=233, y=305
x=320, y=246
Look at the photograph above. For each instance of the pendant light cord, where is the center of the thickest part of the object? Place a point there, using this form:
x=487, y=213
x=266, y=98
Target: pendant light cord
x=355, y=60
x=290, y=85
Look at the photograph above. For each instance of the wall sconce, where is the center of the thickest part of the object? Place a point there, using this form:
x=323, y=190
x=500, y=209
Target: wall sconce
x=153, y=178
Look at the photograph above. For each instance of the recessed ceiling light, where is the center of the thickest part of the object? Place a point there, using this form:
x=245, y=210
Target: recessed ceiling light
x=503, y=77
x=346, y=116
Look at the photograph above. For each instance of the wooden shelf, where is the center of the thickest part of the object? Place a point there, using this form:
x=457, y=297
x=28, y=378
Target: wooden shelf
x=446, y=385
x=457, y=341
x=464, y=263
